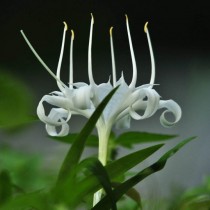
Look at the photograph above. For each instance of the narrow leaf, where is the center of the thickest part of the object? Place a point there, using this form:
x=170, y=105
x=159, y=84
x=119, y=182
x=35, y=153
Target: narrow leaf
x=95, y=166
x=127, y=162
x=176, y=149
x=132, y=193
x=124, y=187
x=128, y=139
x=114, y=169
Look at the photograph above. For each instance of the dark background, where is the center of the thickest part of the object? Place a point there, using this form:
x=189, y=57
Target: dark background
x=180, y=33
x=176, y=28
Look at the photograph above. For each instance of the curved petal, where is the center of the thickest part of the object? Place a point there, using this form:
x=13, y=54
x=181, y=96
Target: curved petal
x=79, y=84
x=51, y=130
x=172, y=107
x=151, y=107
x=144, y=86
x=55, y=101
x=58, y=115
x=57, y=93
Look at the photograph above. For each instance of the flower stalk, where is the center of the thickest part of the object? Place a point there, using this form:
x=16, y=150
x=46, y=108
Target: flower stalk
x=103, y=152
x=103, y=136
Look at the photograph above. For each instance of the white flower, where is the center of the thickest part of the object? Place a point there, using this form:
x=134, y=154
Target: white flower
x=82, y=99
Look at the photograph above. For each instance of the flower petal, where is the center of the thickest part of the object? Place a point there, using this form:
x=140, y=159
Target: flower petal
x=82, y=97
x=51, y=130
x=58, y=115
x=80, y=84
x=118, y=103
x=172, y=107
x=150, y=106
x=55, y=101
x=100, y=92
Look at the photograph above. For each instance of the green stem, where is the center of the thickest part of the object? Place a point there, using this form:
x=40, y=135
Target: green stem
x=103, y=135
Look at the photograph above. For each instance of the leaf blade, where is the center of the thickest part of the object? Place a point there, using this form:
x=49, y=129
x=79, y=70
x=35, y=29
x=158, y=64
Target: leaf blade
x=99, y=171
x=128, y=139
x=157, y=166
x=129, y=161
x=90, y=183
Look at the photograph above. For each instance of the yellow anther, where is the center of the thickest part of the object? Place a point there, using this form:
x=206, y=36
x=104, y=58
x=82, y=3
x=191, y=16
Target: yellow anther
x=126, y=16
x=110, y=31
x=92, y=17
x=65, y=25
x=145, y=27
x=72, y=34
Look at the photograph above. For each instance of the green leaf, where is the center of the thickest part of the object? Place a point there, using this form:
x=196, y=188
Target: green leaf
x=15, y=103
x=132, y=193
x=114, y=169
x=95, y=166
x=174, y=150
x=73, y=156
x=91, y=141
x=120, y=166
x=128, y=139
x=124, y=187
x=5, y=187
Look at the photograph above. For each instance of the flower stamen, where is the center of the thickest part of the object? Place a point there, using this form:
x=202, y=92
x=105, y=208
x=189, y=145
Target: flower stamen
x=61, y=52
x=113, y=58
x=71, y=61
x=133, y=82
x=152, y=79
x=41, y=61
x=90, y=74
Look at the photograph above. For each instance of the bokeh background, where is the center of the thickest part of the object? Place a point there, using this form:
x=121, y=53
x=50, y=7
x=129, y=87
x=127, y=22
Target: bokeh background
x=180, y=33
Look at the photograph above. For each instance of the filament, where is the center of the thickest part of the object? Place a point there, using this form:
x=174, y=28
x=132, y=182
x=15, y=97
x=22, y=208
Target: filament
x=41, y=61
x=133, y=82
x=113, y=58
x=152, y=79
x=90, y=74
x=71, y=61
